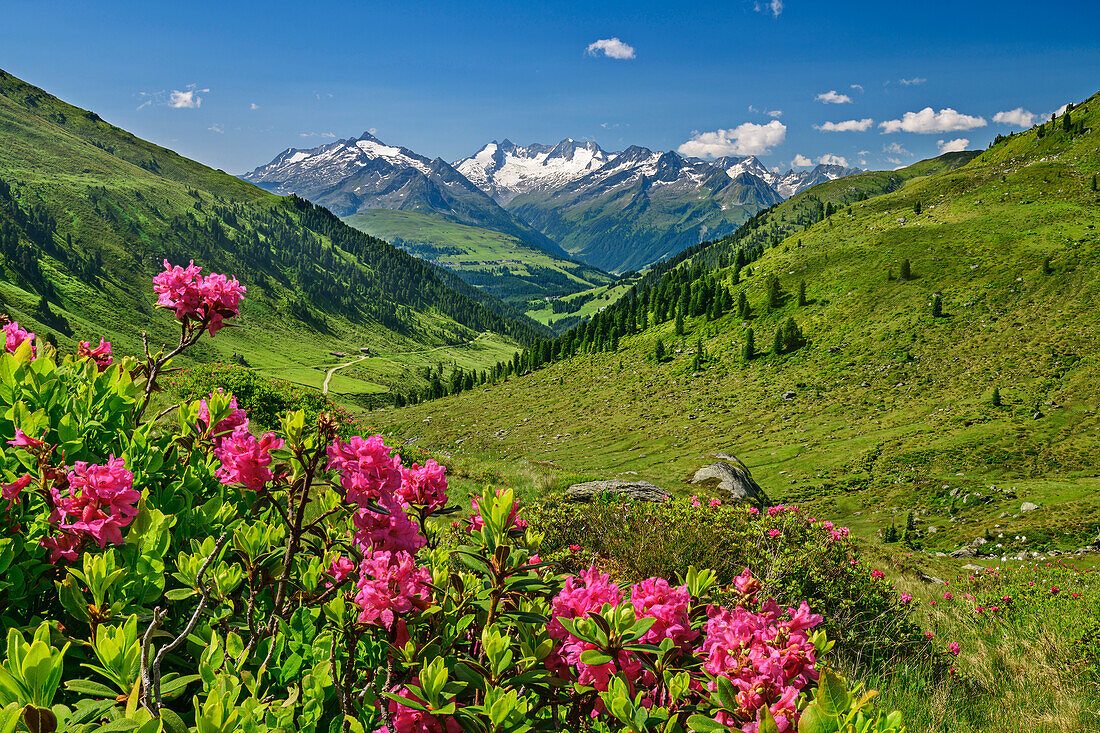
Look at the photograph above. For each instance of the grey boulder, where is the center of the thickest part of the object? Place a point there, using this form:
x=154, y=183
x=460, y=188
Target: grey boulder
x=639, y=490
x=731, y=477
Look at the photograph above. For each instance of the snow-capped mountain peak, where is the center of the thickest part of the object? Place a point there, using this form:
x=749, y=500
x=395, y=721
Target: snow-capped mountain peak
x=505, y=170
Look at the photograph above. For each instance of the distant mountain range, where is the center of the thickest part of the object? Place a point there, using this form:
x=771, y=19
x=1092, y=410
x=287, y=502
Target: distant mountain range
x=617, y=211
x=361, y=174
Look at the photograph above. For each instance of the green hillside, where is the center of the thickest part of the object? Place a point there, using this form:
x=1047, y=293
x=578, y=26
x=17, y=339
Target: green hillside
x=519, y=273
x=88, y=212
x=886, y=408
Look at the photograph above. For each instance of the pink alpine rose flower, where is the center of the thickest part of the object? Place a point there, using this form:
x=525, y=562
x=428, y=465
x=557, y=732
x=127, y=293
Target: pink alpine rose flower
x=367, y=469
x=62, y=545
x=207, y=301
x=246, y=460
x=391, y=584
x=424, y=486
x=11, y=491
x=22, y=440
x=100, y=502
x=395, y=531
x=14, y=336
x=101, y=354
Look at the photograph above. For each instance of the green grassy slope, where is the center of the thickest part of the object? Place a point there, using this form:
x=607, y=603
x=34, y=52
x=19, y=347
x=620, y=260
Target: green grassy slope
x=88, y=211
x=508, y=268
x=892, y=408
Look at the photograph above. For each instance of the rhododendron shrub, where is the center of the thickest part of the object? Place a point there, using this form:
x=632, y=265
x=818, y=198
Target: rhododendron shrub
x=219, y=577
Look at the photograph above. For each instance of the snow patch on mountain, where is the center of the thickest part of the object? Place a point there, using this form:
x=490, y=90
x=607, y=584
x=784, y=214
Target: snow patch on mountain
x=505, y=170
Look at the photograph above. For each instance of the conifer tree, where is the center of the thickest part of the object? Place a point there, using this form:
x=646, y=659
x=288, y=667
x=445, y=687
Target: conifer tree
x=906, y=273
x=777, y=343
x=792, y=336
x=996, y=397
x=749, y=351
x=937, y=305
x=679, y=323
x=1094, y=182
x=916, y=208
x=659, y=351
x=1046, y=266
x=742, y=306
x=775, y=293
x=802, y=293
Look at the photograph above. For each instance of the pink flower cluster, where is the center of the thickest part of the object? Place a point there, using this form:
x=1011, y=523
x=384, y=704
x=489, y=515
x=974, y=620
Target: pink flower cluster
x=14, y=336
x=767, y=656
x=245, y=459
x=424, y=485
x=372, y=477
x=367, y=469
x=652, y=598
x=391, y=584
x=101, y=354
x=207, y=301
x=98, y=503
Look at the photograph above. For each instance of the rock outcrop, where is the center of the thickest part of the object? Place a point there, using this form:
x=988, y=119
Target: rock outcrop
x=731, y=477
x=636, y=490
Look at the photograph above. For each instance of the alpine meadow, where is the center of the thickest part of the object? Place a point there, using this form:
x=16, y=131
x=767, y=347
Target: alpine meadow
x=767, y=402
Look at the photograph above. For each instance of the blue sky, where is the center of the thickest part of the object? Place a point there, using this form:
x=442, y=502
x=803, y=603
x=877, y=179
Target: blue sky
x=234, y=83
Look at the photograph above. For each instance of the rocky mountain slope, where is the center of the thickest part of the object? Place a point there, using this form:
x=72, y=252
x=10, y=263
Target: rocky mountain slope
x=361, y=174
x=642, y=206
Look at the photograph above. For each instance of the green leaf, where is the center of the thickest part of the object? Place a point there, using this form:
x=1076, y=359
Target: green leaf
x=173, y=723
x=594, y=657
x=90, y=687
x=813, y=720
x=832, y=694
x=767, y=722
x=9, y=717
x=703, y=724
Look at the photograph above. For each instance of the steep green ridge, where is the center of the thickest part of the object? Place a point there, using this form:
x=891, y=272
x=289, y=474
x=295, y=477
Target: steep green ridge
x=887, y=408
x=88, y=212
x=500, y=264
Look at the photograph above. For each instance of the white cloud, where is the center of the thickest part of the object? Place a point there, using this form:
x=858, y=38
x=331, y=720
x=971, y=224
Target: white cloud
x=833, y=97
x=846, y=126
x=858, y=88
x=612, y=48
x=863, y=152
x=774, y=113
x=185, y=100
x=1018, y=117
x=801, y=161
x=830, y=159
x=928, y=121
x=896, y=162
x=753, y=109
x=745, y=139
x=1061, y=110
x=253, y=106
x=322, y=134
x=911, y=82
x=775, y=7
x=953, y=146
x=216, y=127
x=895, y=148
